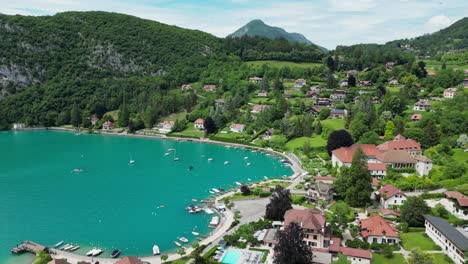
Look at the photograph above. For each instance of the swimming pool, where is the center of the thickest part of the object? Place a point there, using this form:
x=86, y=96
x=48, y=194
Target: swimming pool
x=231, y=257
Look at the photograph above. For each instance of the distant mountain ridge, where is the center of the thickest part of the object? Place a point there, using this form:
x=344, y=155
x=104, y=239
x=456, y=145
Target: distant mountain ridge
x=257, y=28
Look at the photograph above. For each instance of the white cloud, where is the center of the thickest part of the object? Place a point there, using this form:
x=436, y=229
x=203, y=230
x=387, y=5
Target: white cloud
x=438, y=22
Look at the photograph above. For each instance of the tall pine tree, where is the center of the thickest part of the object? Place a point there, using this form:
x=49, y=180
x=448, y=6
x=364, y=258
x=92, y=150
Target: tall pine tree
x=291, y=248
x=360, y=189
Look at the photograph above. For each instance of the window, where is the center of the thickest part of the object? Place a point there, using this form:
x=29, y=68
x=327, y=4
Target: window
x=315, y=236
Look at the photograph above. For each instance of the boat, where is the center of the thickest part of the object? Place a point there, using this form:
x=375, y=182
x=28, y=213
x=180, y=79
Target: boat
x=214, y=221
x=58, y=244
x=190, y=168
x=249, y=179
x=210, y=159
x=216, y=190
x=248, y=164
x=156, y=250
x=194, y=200
x=62, y=248
x=226, y=162
x=175, y=158
x=171, y=149
x=167, y=154
x=78, y=170
x=212, y=192
x=69, y=247
x=91, y=252
x=239, y=183
x=115, y=253
x=246, y=157
x=177, y=244
x=265, y=177
x=183, y=239
x=131, y=161
x=195, y=233
x=97, y=252
x=74, y=248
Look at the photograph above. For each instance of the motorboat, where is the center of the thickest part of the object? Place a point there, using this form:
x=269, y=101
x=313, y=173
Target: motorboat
x=226, y=162
x=216, y=190
x=248, y=164
x=194, y=200
x=62, y=248
x=74, y=248
x=91, y=252
x=212, y=192
x=265, y=177
x=249, y=179
x=78, y=170
x=246, y=157
x=58, y=244
x=171, y=149
x=176, y=159
x=183, y=239
x=195, y=233
x=69, y=247
x=239, y=183
x=131, y=161
x=210, y=159
x=97, y=252
x=177, y=244
x=167, y=154
x=115, y=253
x=156, y=250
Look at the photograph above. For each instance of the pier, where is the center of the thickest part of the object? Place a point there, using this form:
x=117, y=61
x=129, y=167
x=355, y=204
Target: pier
x=28, y=246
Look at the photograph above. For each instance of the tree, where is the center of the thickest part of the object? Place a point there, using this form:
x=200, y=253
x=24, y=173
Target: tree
x=389, y=131
x=324, y=113
x=351, y=81
x=342, y=259
x=291, y=248
x=331, y=64
x=412, y=211
x=337, y=139
x=444, y=66
x=245, y=190
x=164, y=257
x=42, y=258
x=370, y=137
x=419, y=257
x=318, y=128
x=431, y=134
x=63, y=118
x=210, y=126
x=358, y=193
x=280, y=202
x=75, y=116
x=181, y=252
x=358, y=126
x=340, y=213
x=124, y=114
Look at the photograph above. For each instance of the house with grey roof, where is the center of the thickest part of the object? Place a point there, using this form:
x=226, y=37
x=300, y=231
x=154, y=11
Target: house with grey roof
x=453, y=243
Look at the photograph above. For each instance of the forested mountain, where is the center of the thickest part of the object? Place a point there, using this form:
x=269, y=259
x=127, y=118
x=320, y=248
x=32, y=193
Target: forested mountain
x=257, y=28
x=452, y=38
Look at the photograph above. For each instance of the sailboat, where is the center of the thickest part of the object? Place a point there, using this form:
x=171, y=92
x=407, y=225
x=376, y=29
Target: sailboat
x=175, y=158
x=131, y=160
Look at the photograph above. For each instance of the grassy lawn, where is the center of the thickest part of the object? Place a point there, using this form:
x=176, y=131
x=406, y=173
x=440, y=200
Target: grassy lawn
x=441, y=259
x=279, y=64
x=414, y=240
x=460, y=155
x=297, y=143
x=174, y=117
x=262, y=100
x=380, y=259
x=333, y=124
x=183, y=260
x=301, y=200
x=190, y=131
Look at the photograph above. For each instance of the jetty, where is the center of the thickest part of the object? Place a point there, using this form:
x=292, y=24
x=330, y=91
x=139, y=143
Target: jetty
x=28, y=246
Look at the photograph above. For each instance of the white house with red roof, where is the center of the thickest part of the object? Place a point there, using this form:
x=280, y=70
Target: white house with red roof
x=209, y=87
x=355, y=255
x=458, y=204
x=237, y=128
x=262, y=93
x=199, y=124
x=399, y=142
x=313, y=224
x=423, y=165
x=375, y=229
x=391, y=196
x=378, y=170
x=166, y=126
x=108, y=125
x=259, y=108
x=344, y=155
x=255, y=79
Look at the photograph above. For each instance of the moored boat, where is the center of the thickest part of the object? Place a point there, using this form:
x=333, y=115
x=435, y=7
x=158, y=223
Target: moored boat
x=214, y=221
x=210, y=159
x=183, y=239
x=58, y=244
x=67, y=248
x=195, y=233
x=156, y=250
x=131, y=161
x=74, y=248
x=239, y=183
x=216, y=190
x=226, y=162
x=97, y=252
x=115, y=253
x=91, y=252
x=66, y=245
x=177, y=244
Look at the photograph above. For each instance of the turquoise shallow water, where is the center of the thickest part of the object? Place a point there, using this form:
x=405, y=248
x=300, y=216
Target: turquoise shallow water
x=111, y=203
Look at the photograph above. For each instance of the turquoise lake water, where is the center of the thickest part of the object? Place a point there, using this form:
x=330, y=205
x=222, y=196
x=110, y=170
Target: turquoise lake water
x=111, y=204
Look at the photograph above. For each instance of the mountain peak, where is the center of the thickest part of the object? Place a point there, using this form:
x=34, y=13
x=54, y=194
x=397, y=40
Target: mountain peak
x=258, y=28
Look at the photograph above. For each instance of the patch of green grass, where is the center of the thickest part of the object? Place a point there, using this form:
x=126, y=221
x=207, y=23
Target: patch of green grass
x=190, y=131
x=414, y=240
x=279, y=64
x=262, y=100
x=183, y=260
x=441, y=259
x=174, y=117
x=333, y=124
x=298, y=143
x=301, y=200
x=460, y=155
x=380, y=259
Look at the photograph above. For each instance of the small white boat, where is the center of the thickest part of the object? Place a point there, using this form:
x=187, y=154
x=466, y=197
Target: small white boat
x=66, y=245
x=131, y=161
x=214, y=221
x=212, y=192
x=249, y=179
x=248, y=164
x=58, y=244
x=156, y=250
x=167, y=154
x=69, y=247
x=210, y=159
x=226, y=162
x=194, y=200
x=176, y=159
x=171, y=149
x=78, y=170
x=216, y=190
x=195, y=233
x=183, y=239
x=177, y=244
x=91, y=252
x=97, y=251
x=265, y=177
x=246, y=157
x=238, y=183
x=74, y=248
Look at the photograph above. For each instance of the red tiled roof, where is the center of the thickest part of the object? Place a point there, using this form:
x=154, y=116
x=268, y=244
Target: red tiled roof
x=335, y=246
x=308, y=218
x=199, y=121
x=58, y=261
x=396, y=156
x=416, y=116
x=377, y=166
x=388, y=190
x=462, y=200
x=324, y=178
x=237, y=126
x=129, y=260
x=259, y=108
x=422, y=158
x=355, y=252
x=384, y=212
x=400, y=143
x=323, y=250
x=375, y=182
x=377, y=226
x=345, y=154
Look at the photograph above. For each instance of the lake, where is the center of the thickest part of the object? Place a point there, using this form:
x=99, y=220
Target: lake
x=111, y=203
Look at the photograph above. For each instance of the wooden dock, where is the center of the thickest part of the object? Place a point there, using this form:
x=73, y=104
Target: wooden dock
x=28, y=246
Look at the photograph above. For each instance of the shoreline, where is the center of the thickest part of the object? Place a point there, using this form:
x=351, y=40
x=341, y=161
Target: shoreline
x=226, y=218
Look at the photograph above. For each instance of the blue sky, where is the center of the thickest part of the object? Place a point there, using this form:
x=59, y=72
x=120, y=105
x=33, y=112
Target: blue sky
x=325, y=22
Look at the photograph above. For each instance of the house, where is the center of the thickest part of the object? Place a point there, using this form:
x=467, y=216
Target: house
x=393, y=81
x=18, y=126
x=271, y=237
x=315, y=88
x=375, y=229
x=325, y=179
x=199, y=124
x=389, y=65
x=422, y=105
x=58, y=261
x=399, y=142
x=320, y=191
x=255, y=79
x=391, y=196
x=313, y=110
x=108, y=125
x=262, y=93
x=378, y=170
x=415, y=117
x=344, y=83
x=186, y=87
x=431, y=74
x=312, y=94
x=389, y=213
x=313, y=223
x=356, y=255
x=237, y=128
x=166, y=126
x=94, y=120
x=458, y=204
x=344, y=155
x=338, y=95
x=453, y=243
x=322, y=102
x=365, y=83
x=423, y=165
x=375, y=182
x=267, y=134
x=258, y=108
x=129, y=260
x=465, y=82
x=352, y=73
x=219, y=102
x=397, y=159
x=299, y=83
x=338, y=113
x=209, y=87
x=450, y=92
